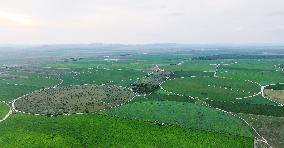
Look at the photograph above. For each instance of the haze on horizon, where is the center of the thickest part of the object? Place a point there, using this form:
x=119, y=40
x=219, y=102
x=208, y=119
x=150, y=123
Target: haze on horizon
x=141, y=21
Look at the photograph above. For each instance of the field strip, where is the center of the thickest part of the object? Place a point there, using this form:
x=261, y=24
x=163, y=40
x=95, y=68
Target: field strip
x=76, y=73
x=8, y=114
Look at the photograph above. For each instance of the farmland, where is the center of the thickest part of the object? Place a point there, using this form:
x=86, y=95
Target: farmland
x=123, y=77
x=183, y=114
x=3, y=110
x=22, y=83
x=104, y=131
x=187, y=98
x=211, y=88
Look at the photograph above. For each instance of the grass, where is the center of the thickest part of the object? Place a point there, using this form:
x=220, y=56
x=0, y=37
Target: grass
x=160, y=95
x=192, y=66
x=122, y=77
x=256, y=109
x=255, y=100
x=24, y=83
x=4, y=109
x=183, y=114
x=263, y=72
x=179, y=74
x=23, y=130
x=211, y=87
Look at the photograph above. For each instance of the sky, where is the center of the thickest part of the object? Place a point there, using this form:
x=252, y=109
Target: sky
x=141, y=21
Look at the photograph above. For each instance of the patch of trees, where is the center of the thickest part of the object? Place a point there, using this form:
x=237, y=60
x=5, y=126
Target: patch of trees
x=151, y=82
x=237, y=56
x=276, y=87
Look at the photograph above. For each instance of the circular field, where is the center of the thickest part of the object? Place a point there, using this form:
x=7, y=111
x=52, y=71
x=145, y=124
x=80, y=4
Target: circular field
x=74, y=99
x=212, y=88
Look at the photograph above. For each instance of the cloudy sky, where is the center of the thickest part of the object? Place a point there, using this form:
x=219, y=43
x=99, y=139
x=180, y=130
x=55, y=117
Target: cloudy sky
x=141, y=21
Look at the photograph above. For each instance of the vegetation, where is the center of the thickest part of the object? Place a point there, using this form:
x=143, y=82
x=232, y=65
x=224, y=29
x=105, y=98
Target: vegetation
x=151, y=82
x=276, y=87
x=263, y=72
x=272, y=128
x=101, y=76
x=23, y=83
x=211, y=88
x=182, y=114
x=4, y=109
x=23, y=130
x=179, y=97
x=179, y=74
x=276, y=95
x=256, y=109
x=237, y=56
x=74, y=99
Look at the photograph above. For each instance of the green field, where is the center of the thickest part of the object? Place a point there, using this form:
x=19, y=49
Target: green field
x=24, y=83
x=256, y=100
x=183, y=104
x=4, y=109
x=99, y=131
x=262, y=72
x=160, y=95
x=256, y=109
x=121, y=77
x=193, y=66
x=183, y=114
x=211, y=88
